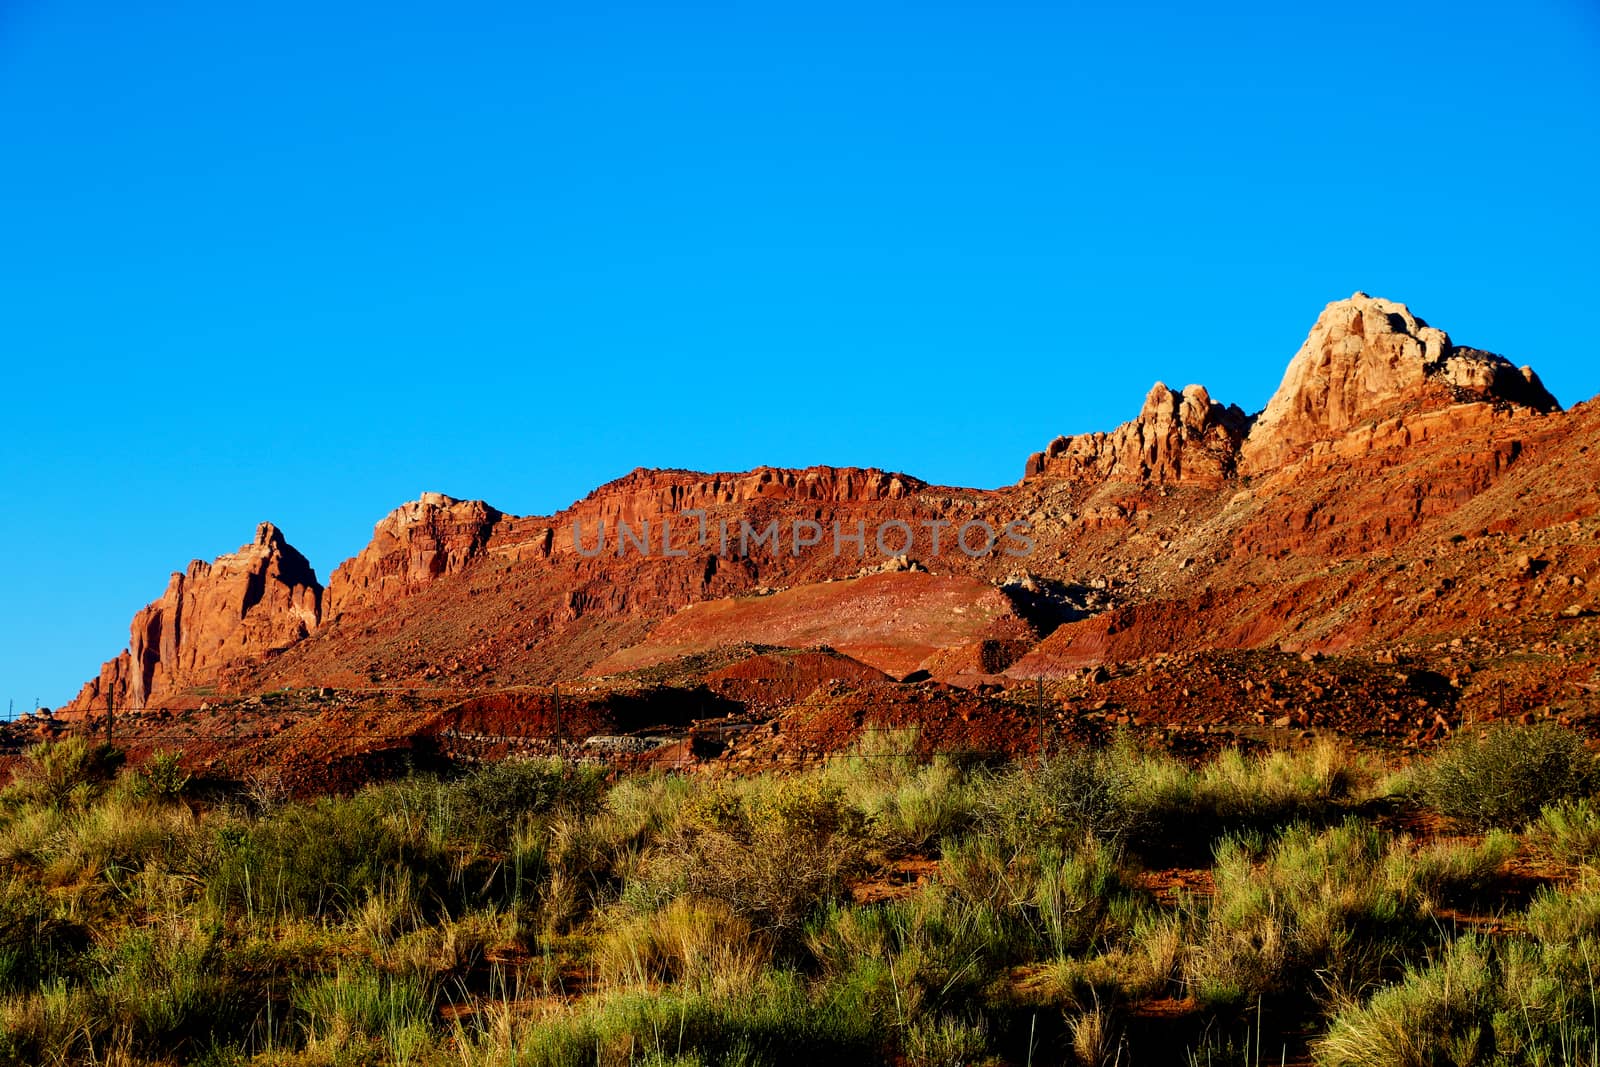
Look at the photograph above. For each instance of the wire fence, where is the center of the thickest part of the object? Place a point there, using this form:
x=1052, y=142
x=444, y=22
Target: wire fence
x=547, y=721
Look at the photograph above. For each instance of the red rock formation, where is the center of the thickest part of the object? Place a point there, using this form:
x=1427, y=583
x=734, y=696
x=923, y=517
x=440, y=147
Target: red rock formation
x=643, y=492
x=1363, y=358
x=243, y=604
x=1384, y=437
x=649, y=496
x=1178, y=439
x=415, y=544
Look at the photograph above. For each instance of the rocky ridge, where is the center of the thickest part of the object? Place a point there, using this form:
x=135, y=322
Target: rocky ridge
x=1193, y=530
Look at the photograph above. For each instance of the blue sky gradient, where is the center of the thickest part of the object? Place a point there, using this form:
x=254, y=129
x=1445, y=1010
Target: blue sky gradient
x=281, y=262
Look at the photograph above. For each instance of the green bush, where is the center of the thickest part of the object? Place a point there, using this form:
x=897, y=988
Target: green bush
x=1178, y=810
x=689, y=942
x=775, y=855
x=323, y=860
x=1569, y=830
x=162, y=777
x=1506, y=776
x=1566, y=915
x=1455, y=873
x=948, y=1041
x=36, y=943
x=1075, y=796
x=1480, y=1004
x=490, y=801
x=358, y=1007
x=1324, y=903
x=1054, y=901
x=168, y=988
x=931, y=953
x=779, y=1022
x=911, y=801
x=73, y=770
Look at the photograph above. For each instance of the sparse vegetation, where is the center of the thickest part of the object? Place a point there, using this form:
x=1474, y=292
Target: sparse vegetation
x=878, y=908
x=1505, y=777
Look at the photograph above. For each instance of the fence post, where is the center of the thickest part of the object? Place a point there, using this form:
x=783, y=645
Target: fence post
x=1043, y=750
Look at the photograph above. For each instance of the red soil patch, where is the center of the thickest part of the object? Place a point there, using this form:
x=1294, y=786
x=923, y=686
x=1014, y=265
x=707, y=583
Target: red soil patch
x=889, y=621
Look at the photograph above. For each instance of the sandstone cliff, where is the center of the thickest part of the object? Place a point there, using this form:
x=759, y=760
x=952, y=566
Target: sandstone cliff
x=644, y=493
x=1364, y=358
x=243, y=604
x=415, y=544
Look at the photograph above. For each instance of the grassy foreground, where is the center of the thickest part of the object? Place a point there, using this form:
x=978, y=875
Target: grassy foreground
x=1112, y=907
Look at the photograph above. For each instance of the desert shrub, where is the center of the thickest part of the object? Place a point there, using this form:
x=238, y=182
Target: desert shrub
x=1505, y=777
x=1455, y=873
x=910, y=801
x=121, y=835
x=644, y=807
x=323, y=860
x=1176, y=808
x=932, y=953
x=30, y=833
x=36, y=943
x=564, y=859
x=1143, y=962
x=1282, y=782
x=1078, y=795
x=1479, y=1003
x=1565, y=915
x=58, y=1024
x=774, y=854
x=1568, y=830
x=491, y=800
x=162, y=777
x=1052, y=901
x=779, y=1022
x=167, y=987
x=73, y=770
x=695, y=942
x=358, y=1009
x=948, y=1041
x=1094, y=1038
x=1325, y=902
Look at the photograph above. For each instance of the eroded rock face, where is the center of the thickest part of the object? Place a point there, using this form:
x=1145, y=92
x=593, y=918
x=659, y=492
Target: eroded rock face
x=1178, y=439
x=1365, y=357
x=246, y=603
x=1381, y=431
x=415, y=544
x=645, y=495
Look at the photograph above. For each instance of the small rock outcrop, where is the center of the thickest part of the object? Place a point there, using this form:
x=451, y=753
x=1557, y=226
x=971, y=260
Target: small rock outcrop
x=415, y=544
x=1365, y=357
x=246, y=603
x=1178, y=439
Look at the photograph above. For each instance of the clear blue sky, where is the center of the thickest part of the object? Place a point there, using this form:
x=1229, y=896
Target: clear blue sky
x=300, y=262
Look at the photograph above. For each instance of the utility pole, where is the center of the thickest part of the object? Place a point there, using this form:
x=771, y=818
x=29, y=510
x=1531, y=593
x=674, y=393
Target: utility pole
x=111, y=717
x=556, y=689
